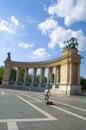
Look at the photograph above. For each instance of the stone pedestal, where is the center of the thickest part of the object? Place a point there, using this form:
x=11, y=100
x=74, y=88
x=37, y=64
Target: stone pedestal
x=67, y=90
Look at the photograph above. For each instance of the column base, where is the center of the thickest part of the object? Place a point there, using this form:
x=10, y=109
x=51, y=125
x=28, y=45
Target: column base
x=4, y=84
x=67, y=89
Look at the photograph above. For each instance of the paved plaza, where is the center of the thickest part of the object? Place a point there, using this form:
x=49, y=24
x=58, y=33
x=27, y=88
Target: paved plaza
x=24, y=110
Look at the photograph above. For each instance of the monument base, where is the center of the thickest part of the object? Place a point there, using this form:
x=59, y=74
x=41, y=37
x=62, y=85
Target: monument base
x=67, y=89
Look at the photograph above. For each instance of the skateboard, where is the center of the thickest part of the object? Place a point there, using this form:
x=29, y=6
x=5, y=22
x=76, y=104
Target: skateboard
x=47, y=102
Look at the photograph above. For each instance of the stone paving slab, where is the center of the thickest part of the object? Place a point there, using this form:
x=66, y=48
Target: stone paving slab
x=24, y=110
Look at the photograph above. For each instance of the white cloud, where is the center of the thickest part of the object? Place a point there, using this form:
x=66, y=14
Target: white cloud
x=14, y=20
x=25, y=45
x=41, y=52
x=70, y=10
x=59, y=34
x=9, y=26
x=48, y=25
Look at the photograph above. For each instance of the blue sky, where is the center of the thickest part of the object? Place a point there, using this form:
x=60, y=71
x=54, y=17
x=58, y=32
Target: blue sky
x=34, y=30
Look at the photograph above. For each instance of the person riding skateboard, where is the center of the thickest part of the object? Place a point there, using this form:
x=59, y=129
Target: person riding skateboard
x=46, y=93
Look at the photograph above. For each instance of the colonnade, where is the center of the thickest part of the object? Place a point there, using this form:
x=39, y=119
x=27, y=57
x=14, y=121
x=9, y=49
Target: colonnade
x=34, y=74
x=66, y=75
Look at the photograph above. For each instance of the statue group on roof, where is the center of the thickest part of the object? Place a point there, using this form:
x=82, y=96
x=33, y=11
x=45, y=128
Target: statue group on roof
x=72, y=43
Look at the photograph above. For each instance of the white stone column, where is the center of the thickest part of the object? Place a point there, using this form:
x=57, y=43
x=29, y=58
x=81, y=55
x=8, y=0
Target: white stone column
x=17, y=75
x=42, y=75
x=57, y=75
x=74, y=77
x=49, y=75
x=25, y=74
x=34, y=75
x=7, y=71
x=71, y=74
x=78, y=75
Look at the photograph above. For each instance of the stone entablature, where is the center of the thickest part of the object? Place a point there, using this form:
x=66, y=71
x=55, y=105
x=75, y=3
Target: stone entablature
x=67, y=70
x=46, y=64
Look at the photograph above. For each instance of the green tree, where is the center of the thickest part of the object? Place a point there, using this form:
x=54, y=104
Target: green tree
x=1, y=73
x=45, y=79
x=83, y=83
x=21, y=77
x=13, y=74
x=29, y=78
x=37, y=79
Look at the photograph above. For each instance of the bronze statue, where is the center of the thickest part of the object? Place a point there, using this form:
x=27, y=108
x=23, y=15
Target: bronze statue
x=72, y=43
x=8, y=55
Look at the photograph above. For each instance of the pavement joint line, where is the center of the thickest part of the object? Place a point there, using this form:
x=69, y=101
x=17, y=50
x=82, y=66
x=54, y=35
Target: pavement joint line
x=49, y=116
x=81, y=109
x=71, y=113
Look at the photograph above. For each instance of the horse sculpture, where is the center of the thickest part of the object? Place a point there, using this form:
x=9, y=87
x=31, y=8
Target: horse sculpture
x=72, y=43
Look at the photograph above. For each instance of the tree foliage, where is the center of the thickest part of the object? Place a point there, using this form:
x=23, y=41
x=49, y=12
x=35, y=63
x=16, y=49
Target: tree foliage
x=13, y=74
x=83, y=83
x=1, y=73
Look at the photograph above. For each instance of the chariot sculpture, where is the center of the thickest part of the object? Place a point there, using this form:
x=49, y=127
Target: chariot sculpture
x=72, y=43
